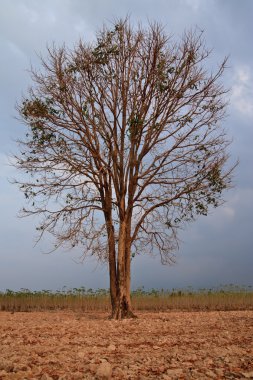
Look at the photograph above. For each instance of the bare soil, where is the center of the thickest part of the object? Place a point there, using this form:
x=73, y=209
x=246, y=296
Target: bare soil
x=168, y=345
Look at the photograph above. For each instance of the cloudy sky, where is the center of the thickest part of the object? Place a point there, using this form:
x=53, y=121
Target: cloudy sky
x=216, y=249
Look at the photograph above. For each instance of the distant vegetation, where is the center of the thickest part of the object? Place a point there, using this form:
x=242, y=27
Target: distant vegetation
x=229, y=297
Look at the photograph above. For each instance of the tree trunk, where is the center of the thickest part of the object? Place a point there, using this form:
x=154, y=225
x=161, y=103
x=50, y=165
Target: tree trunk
x=128, y=271
x=113, y=273
x=112, y=263
x=122, y=308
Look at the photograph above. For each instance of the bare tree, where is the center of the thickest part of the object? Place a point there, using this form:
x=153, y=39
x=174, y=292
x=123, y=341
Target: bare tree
x=124, y=145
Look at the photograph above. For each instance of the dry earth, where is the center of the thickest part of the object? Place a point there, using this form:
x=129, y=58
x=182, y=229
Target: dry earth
x=173, y=345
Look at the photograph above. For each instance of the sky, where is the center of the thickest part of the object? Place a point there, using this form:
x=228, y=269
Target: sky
x=216, y=249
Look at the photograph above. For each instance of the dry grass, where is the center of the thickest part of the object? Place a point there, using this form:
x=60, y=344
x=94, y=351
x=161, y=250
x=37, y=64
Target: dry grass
x=224, y=298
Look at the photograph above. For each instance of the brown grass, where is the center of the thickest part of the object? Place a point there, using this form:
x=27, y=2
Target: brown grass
x=226, y=298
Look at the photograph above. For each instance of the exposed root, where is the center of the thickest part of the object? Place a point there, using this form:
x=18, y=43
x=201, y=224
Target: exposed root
x=122, y=314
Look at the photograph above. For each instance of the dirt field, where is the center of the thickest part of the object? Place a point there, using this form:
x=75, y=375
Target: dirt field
x=174, y=345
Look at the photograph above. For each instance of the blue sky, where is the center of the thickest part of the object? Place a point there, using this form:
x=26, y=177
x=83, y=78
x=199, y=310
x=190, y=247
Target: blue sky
x=216, y=249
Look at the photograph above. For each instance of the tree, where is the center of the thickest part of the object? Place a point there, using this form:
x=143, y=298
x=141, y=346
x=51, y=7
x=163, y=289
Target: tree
x=124, y=145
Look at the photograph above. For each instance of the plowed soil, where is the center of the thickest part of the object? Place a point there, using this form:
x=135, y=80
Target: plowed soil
x=173, y=345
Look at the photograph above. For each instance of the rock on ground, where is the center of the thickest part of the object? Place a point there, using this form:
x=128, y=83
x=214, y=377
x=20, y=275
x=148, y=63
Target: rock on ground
x=104, y=371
